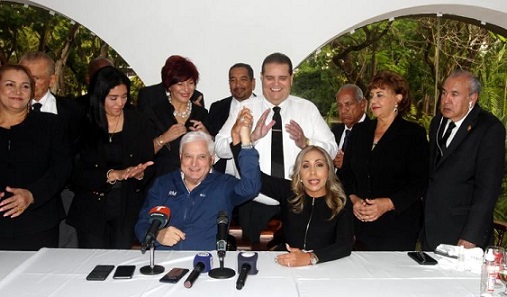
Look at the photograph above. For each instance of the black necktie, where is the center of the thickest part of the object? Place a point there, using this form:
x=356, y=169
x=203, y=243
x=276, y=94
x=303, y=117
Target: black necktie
x=277, y=167
x=443, y=141
x=345, y=139
x=36, y=107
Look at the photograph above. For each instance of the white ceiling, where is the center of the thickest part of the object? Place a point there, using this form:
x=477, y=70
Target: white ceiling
x=215, y=34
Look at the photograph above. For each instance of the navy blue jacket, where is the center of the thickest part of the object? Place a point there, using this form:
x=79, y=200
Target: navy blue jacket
x=195, y=213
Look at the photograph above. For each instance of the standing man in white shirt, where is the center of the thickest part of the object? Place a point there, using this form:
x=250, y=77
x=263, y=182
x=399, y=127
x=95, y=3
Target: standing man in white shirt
x=301, y=125
x=241, y=85
x=351, y=105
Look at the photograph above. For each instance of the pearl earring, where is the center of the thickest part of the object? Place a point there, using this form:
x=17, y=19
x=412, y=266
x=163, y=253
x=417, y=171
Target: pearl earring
x=396, y=108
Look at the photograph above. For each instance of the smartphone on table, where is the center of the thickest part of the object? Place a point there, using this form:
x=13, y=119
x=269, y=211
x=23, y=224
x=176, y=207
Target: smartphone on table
x=100, y=272
x=174, y=275
x=422, y=258
x=124, y=272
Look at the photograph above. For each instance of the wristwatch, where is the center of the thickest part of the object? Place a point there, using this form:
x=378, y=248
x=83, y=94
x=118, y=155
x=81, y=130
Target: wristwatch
x=313, y=259
x=247, y=146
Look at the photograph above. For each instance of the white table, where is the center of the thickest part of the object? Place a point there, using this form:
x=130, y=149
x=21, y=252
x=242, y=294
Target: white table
x=62, y=272
x=9, y=260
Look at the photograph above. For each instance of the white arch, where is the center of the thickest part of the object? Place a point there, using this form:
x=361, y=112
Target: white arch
x=215, y=34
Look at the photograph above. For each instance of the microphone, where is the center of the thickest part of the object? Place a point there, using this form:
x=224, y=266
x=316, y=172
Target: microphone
x=247, y=264
x=159, y=216
x=203, y=262
x=222, y=223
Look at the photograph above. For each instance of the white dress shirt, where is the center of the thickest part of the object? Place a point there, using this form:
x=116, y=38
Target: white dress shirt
x=230, y=167
x=304, y=112
x=48, y=102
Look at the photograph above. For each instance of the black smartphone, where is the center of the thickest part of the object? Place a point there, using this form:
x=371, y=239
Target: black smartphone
x=100, y=272
x=422, y=258
x=174, y=275
x=124, y=271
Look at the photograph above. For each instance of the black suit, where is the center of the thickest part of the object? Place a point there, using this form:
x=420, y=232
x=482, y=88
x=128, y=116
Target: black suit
x=73, y=117
x=466, y=182
x=161, y=116
x=218, y=115
x=337, y=130
x=156, y=94
x=397, y=168
x=34, y=155
x=91, y=208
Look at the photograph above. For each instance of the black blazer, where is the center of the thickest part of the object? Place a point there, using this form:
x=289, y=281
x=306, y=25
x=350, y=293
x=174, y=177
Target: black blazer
x=218, y=115
x=337, y=130
x=153, y=95
x=466, y=182
x=73, y=117
x=34, y=155
x=88, y=209
x=397, y=168
x=162, y=118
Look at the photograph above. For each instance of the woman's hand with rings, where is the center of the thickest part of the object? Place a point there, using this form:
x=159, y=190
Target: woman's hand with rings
x=15, y=205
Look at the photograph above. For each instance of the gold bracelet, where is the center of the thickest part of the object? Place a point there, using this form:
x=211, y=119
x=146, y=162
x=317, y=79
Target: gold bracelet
x=159, y=141
x=107, y=177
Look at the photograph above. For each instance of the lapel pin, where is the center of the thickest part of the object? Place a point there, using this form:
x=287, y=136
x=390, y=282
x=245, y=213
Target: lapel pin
x=469, y=127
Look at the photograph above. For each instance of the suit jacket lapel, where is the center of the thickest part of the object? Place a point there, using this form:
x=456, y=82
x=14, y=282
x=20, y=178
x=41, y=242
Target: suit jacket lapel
x=465, y=128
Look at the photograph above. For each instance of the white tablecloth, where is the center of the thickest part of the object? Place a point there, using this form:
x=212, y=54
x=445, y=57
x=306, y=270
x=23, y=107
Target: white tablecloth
x=62, y=272
x=9, y=260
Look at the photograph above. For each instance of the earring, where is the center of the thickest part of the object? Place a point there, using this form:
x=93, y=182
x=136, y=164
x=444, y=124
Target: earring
x=396, y=108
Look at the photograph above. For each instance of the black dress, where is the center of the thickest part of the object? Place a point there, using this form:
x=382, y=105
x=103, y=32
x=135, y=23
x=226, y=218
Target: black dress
x=104, y=215
x=34, y=155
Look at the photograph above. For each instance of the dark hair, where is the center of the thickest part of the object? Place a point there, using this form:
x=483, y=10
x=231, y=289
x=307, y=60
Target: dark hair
x=277, y=58
x=178, y=69
x=18, y=67
x=243, y=65
x=102, y=82
x=388, y=79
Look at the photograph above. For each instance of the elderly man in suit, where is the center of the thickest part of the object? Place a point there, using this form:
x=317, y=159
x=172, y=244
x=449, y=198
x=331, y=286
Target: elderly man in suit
x=241, y=85
x=467, y=150
x=351, y=105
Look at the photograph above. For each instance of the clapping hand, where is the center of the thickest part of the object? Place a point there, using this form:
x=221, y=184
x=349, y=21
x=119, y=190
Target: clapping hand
x=261, y=129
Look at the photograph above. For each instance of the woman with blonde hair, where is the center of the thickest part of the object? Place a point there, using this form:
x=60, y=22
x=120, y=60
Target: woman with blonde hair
x=316, y=214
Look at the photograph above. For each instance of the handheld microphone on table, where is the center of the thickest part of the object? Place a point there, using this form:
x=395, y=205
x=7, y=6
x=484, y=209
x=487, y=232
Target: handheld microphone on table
x=222, y=224
x=159, y=216
x=247, y=264
x=202, y=263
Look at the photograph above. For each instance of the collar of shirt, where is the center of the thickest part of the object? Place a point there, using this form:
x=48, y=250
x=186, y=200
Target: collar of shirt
x=235, y=104
x=48, y=102
x=455, y=130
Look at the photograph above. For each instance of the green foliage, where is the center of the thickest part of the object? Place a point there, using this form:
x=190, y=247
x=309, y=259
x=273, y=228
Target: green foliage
x=24, y=29
x=409, y=46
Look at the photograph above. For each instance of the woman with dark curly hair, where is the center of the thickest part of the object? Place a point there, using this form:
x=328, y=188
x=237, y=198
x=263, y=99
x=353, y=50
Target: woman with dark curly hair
x=385, y=171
